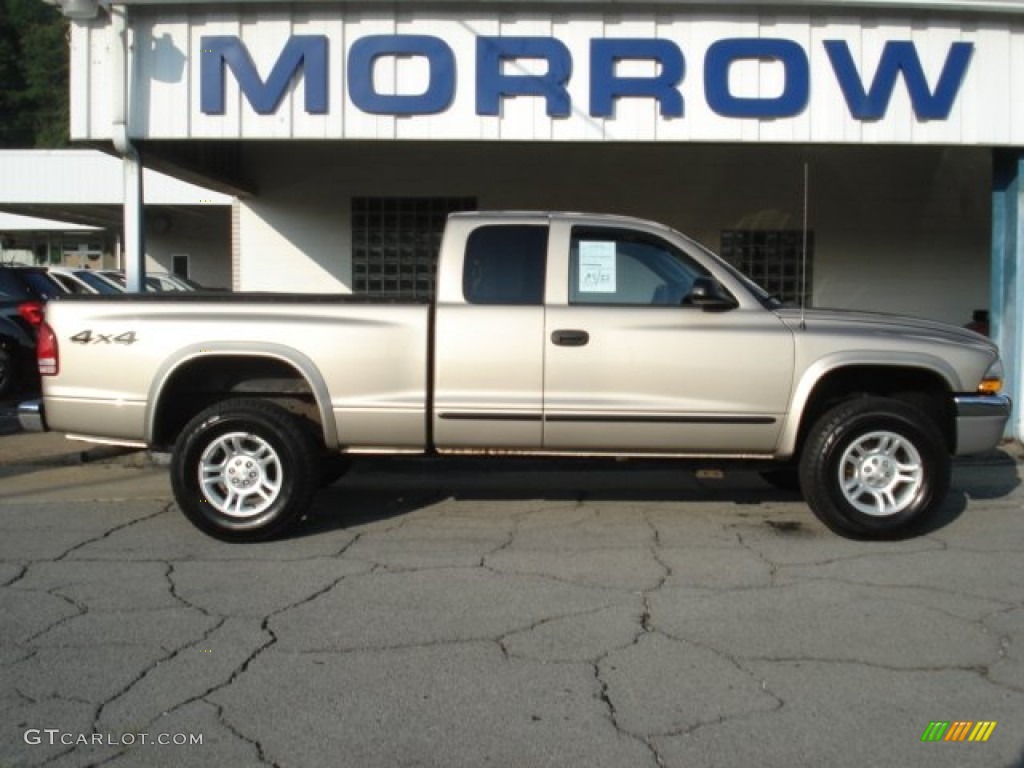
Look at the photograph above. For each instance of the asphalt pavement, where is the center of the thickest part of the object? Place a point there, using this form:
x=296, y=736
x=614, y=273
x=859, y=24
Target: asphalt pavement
x=513, y=614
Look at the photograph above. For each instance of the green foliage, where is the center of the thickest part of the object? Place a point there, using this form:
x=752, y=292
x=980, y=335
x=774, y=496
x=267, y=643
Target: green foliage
x=33, y=75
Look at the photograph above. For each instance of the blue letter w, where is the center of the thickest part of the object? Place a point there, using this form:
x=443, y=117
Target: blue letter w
x=899, y=57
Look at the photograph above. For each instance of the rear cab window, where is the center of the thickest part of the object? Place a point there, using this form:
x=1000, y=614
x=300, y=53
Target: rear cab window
x=505, y=264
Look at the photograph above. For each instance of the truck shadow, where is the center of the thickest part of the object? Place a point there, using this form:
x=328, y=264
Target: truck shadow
x=976, y=479
x=377, y=490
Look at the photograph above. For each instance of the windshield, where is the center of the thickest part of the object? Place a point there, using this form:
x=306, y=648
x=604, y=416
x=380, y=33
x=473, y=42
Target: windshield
x=759, y=293
x=763, y=297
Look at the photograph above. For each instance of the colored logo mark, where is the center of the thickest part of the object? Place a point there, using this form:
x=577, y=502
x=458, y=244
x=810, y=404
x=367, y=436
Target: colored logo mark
x=958, y=730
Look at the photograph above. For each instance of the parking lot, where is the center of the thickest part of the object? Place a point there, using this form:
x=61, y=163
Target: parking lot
x=501, y=614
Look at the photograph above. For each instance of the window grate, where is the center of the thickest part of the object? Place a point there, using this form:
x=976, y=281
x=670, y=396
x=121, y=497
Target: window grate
x=772, y=259
x=395, y=243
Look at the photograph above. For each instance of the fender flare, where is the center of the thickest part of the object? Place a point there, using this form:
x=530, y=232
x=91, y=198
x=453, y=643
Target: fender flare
x=303, y=365
x=824, y=366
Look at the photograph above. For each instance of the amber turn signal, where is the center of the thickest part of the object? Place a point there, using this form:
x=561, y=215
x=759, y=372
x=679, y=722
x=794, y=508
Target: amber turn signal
x=992, y=381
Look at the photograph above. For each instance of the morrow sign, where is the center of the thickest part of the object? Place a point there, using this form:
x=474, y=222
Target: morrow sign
x=501, y=61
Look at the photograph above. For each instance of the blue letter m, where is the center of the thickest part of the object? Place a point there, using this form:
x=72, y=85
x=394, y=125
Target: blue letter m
x=306, y=52
x=900, y=57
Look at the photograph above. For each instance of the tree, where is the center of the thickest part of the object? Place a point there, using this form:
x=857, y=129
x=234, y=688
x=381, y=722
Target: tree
x=33, y=75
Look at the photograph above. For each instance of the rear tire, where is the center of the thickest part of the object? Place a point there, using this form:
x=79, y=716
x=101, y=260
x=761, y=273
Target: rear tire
x=244, y=470
x=875, y=468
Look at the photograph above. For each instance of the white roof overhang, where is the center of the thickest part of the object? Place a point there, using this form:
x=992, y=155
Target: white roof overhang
x=84, y=9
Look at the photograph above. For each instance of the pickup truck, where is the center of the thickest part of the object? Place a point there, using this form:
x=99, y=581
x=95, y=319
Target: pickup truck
x=550, y=334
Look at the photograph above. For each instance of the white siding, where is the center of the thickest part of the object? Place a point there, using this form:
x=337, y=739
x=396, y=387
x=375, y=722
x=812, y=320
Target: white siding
x=205, y=238
x=166, y=89
x=295, y=239
x=87, y=177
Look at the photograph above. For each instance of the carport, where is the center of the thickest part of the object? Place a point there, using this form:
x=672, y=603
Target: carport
x=66, y=207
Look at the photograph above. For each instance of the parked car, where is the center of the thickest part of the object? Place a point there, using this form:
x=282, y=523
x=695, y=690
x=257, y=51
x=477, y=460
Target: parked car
x=23, y=293
x=164, y=281
x=83, y=281
x=156, y=282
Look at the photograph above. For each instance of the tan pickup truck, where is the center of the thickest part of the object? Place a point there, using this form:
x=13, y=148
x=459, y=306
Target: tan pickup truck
x=551, y=334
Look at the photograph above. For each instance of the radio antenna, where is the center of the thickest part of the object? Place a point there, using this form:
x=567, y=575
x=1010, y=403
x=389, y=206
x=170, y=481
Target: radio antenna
x=803, y=255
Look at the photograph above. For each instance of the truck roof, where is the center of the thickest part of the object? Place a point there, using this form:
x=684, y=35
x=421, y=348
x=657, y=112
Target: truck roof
x=611, y=218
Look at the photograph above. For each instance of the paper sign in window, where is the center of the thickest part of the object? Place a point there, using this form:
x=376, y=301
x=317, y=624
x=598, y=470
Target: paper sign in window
x=597, y=266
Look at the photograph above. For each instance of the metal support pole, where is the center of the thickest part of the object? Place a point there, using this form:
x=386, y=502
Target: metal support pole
x=134, y=244
x=123, y=66
x=1007, y=287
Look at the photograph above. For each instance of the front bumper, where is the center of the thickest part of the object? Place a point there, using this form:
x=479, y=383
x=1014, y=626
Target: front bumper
x=31, y=416
x=980, y=422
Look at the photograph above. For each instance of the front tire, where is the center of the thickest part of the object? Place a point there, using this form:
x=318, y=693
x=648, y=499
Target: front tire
x=875, y=468
x=244, y=470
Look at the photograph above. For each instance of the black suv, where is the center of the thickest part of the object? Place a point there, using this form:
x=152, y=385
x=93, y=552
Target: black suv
x=23, y=293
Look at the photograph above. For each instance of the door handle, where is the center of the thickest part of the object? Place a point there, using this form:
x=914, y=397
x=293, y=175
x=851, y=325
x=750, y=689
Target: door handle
x=570, y=338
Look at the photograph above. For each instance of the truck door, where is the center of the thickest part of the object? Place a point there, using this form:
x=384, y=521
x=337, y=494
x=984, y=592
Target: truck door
x=489, y=333
x=630, y=367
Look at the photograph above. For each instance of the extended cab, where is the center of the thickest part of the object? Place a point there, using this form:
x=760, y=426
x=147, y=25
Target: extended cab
x=558, y=334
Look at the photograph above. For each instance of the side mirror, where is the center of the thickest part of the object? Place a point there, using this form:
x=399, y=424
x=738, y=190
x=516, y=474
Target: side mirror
x=710, y=295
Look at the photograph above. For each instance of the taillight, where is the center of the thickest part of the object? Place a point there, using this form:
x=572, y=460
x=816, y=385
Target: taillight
x=46, y=351
x=31, y=312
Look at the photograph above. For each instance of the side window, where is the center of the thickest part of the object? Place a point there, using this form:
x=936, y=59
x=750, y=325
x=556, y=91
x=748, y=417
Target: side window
x=505, y=264
x=612, y=266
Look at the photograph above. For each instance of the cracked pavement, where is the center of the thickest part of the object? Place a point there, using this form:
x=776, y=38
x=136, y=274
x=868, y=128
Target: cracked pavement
x=506, y=614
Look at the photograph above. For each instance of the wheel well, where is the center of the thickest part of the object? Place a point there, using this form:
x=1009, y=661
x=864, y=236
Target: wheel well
x=923, y=389
x=199, y=383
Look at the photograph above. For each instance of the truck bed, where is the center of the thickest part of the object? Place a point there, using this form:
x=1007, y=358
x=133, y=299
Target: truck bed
x=364, y=360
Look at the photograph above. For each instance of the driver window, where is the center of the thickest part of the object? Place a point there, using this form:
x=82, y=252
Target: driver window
x=610, y=266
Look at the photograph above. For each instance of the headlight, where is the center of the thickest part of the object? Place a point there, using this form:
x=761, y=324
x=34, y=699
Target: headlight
x=992, y=381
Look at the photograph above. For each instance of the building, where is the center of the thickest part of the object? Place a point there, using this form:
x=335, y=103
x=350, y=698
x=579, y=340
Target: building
x=28, y=240
x=65, y=207
x=348, y=131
